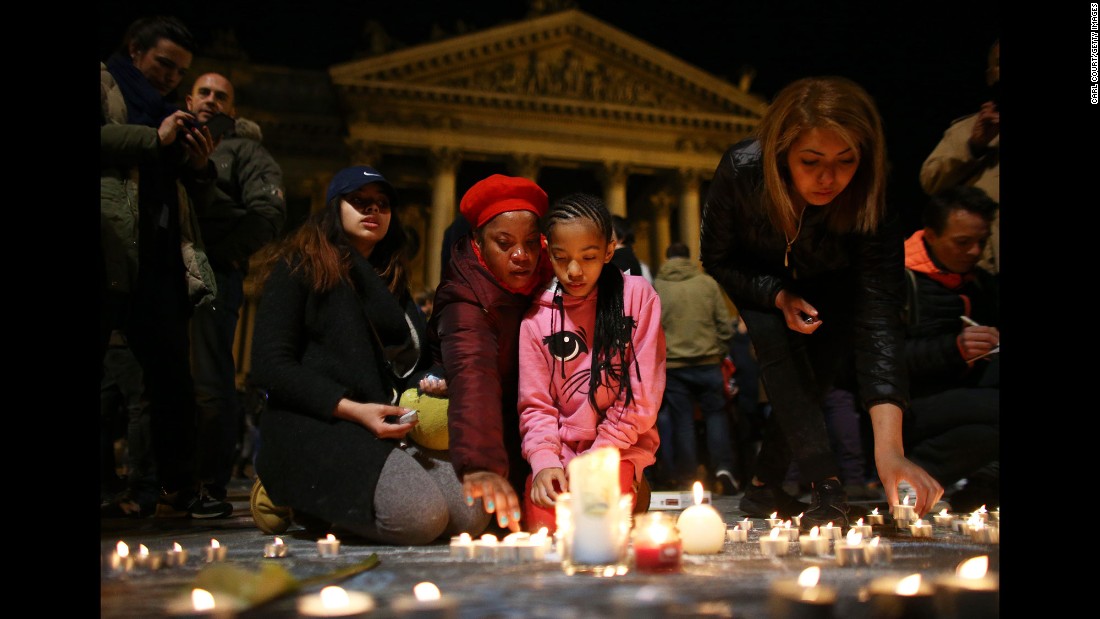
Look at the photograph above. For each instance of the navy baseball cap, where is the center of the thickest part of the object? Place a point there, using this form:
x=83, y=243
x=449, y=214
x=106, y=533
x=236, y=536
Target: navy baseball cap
x=350, y=179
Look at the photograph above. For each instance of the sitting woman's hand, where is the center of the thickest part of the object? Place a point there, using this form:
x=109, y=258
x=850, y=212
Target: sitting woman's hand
x=373, y=417
x=434, y=386
x=543, y=490
x=497, y=496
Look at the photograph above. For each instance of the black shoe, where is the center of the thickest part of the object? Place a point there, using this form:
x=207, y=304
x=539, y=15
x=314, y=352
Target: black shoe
x=206, y=506
x=761, y=501
x=829, y=503
x=725, y=484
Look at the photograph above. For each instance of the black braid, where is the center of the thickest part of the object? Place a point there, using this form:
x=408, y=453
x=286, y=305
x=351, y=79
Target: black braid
x=614, y=330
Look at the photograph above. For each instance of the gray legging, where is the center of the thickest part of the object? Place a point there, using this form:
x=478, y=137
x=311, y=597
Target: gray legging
x=419, y=499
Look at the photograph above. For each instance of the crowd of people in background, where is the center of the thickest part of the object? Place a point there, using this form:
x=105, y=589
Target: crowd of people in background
x=812, y=346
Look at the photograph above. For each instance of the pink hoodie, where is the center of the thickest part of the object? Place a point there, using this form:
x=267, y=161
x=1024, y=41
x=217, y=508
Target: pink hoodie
x=556, y=420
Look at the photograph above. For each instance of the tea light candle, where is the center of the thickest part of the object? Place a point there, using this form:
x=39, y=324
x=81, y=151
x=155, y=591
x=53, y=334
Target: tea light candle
x=964, y=526
x=878, y=552
x=830, y=532
x=862, y=529
x=537, y=546
x=850, y=552
x=148, y=560
x=813, y=544
x=702, y=530
x=328, y=546
x=796, y=521
x=803, y=598
x=983, y=534
x=921, y=529
x=875, y=518
x=175, y=556
x=335, y=602
x=215, y=551
x=904, y=511
x=773, y=521
x=276, y=549
x=487, y=548
x=745, y=524
x=202, y=603
x=790, y=532
x=908, y=597
x=982, y=513
x=775, y=544
x=120, y=560
x=427, y=602
x=970, y=593
x=943, y=519
x=462, y=546
x=737, y=534
x=657, y=546
x=520, y=547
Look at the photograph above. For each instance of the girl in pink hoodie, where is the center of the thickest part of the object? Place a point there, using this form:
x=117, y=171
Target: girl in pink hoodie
x=589, y=317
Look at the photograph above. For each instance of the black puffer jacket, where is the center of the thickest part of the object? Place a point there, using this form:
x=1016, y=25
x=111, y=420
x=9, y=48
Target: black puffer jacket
x=741, y=249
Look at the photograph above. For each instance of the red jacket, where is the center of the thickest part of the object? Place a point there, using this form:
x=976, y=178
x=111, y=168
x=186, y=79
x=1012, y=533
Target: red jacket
x=474, y=335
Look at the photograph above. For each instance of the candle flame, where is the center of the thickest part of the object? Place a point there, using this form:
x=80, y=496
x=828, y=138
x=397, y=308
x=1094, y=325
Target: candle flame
x=201, y=599
x=697, y=489
x=800, y=514
x=543, y=531
x=330, y=537
x=973, y=568
x=874, y=542
x=426, y=592
x=540, y=537
x=874, y=512
x=334, y=597
x=775, y=533
x=774, y=515
x=214, y=543
x=909, y=585
x=919, y=523
x=278, y=541
x=658, y=532
x=809, y=576
x=465, y=538
x=829, y=524
x=122, y=549
x=974, y=519
x=489, y=538
x=854, y=537
x=982, y=510
x=814, y=532
x=905, y=501
x=176, y=547
x=142, y=550
x=859, y=523
x=786, y=524
x=518, y=536
x=943, y=512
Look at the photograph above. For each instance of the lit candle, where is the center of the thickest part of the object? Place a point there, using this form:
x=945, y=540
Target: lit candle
x=789, y=531
x=276, y=549
x=335, y=602
x=328, y=546
x=964, y=526
x=120, y=559
x=702, y=530
x=462, y=546
x=202, y=603
x=803, y=598
x=657, y=544
x=971, y=593
x=215, y=551
x=175, y=556
x=487, y=548
x=796, y=521
x=813, y=544
x=521, y=547
x=148, y=560
x=775, y=544
x=878, y=552
x=984, y=534
x=850, y=552
x=745, y=524
x=737, y=534
x=862, y=529
x=903, y=512
x=599, y=535
x=773, y=521
x=982, y=513
x=874, y=517
x=427, y=602
x=908, y=597
x=830, y=532
x=563, y=522
x=539, y=543
x=921, y=529
x=943, y=519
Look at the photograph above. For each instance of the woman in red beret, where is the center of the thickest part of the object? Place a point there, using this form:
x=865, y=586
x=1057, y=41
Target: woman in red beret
x=474, y=334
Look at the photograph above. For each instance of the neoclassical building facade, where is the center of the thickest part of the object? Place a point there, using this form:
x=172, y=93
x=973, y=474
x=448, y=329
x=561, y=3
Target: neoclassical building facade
x=564, y=99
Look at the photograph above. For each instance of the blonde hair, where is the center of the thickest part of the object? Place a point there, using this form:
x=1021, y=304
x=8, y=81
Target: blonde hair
x=840, y=105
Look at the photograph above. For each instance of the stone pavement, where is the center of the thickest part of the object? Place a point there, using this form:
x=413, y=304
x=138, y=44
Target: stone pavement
x=733, y=583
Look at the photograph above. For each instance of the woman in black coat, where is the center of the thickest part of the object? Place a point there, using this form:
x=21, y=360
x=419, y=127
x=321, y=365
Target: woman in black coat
x=338, y=337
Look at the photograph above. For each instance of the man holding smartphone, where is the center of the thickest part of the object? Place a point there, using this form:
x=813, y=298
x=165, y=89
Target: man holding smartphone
x=245, y=210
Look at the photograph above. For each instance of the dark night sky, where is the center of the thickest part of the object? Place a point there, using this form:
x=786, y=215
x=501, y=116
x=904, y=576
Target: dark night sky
x=922, y=61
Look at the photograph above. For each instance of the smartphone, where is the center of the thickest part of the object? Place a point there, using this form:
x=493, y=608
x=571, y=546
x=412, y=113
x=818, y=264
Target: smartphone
x=408, y=417
x=220, y=125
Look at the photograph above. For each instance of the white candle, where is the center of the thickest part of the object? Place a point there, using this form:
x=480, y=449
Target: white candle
x=920, y=528
x=120, y=559
x=597, y=537
x=970, y=593
x=813, y=544
x=773, y=521
x=702, y=530
x=983, y=534
x=175, y=556
x=878, y=552
x=487, y=548
x=874, y=517
x=335, y=602
x=850, y=551
x=775, y=544
x=903, y=512
x=328, y=546
x=745, y=524
x=943, y=519
x=276, y=549
x=462, y=546
x=202, y=603
x=803, y=598
x=830, y=532
x=737, y=534
x=862, y=529
x=796, y=521
x=789, y=531
x=148, y=560
x=427, y=602
x=215, y=551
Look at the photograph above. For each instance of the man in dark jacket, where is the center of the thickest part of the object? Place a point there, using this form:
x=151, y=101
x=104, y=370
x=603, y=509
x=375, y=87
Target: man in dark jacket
x=245, y=210
x=951, y=347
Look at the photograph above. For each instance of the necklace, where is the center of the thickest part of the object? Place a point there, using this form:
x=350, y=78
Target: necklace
x=787, y=255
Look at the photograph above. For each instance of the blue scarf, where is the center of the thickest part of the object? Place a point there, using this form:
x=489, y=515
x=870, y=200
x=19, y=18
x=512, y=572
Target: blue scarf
x=144, y=105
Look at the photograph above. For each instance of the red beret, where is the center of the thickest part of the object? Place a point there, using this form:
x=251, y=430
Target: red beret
x=496, y=194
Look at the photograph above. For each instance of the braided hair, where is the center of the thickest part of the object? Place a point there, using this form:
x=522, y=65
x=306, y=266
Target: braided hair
x=612, y=343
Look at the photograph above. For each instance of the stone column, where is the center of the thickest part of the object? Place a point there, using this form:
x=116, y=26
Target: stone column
x=613, y=175
x=444, y=162
x=688, y=184
x=662, y=205
x=525, y=165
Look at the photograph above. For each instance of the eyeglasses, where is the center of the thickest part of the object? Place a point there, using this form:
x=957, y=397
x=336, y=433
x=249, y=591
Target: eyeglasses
x=362, y=204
